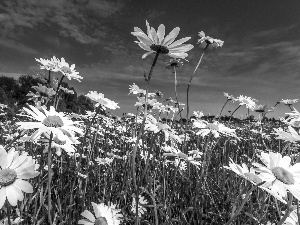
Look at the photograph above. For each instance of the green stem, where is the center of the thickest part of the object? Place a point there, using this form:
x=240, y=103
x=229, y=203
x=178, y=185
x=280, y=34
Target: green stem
x=49, y=179
x=177, y=103
x=57, y=90
x=222, y=109
x=288, y=210
x=8, y=212
x=243, y=203
x=187, y=92
x=234, y=112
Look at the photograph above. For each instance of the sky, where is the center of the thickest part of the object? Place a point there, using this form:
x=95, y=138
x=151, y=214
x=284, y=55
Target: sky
x=260, y=57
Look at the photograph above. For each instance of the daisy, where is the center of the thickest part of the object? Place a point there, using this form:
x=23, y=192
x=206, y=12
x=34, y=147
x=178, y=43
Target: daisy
x=14, y=169
x=229, y=97
x=134, y=89
x=209, y=42
x=141, y=208
x=103, y=215
x=289, y=101
x=291, y=136
x=69, y=71
x=174, y=63
x=51, y=65
x=247, y=101
x=280, y=173
x=250, y=175
x=215, y=128
x=264, y=109
x=157, y=42
x=100, y=100
x=49, y=121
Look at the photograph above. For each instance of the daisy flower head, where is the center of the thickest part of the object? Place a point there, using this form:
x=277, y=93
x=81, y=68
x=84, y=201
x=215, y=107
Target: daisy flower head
x=141, y=208
x=134, y=89
x=264, y=109
x=69, y=71
x=15, y=169
x=50, y=121
x=289, y=101
x=209, y=42
x=280, y=174
x=250, y=174
x=247, y=101
x=100, y=100
x=157, y=42
x=174, y=63
x=229, y=97
x=103, y=214
x=51, y=65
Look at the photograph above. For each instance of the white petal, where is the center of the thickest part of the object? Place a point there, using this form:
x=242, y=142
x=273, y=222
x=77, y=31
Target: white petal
x=181, y=48
x=12, y=195
x=179, y=42
x=19, y=160
x=171, y=36
x=3, y=158
x=2, y=196
x=142, y=38
x=161, y=33
x=10, y=157
x=146, y=54
x=23, y=185
x=295, y=190
x=87, y=214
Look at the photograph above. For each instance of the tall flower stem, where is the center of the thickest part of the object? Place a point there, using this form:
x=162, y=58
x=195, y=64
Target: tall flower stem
x=57, y=90
x=288, y=210
x=222, y=109
x=49, y=78
x=141, y=133
x=8, y=212
x=234, y=112
x=177, y=103
x=187, y=92
x=49, y=179
x=237, y=212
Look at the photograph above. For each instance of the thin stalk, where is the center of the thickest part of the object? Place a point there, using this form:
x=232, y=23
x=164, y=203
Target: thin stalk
x=288, y=210
x=222, y=109
x=177, y=103
x=8, y=212
x=49, y=179
x=234, y=112
x=188, y=89
x=140, y=135
x=298, y=214
x=57, y=90
x=243, y=203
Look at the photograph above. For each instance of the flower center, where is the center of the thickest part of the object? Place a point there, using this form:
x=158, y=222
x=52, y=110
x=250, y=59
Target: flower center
x=101, y=221
x=53, y=121
x=283, y=175
x=65, y=69
x=253, y=177
x=7, y=177
x=159, y=48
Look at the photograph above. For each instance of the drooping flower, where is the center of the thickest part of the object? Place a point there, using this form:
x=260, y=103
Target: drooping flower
x=209, y=42
x=100, y=100
x=157, y=42
x=49, y=121
x=280, y=173
x=69, y=71
x=14, y=169
x=104, y=214
x=134, y=89
x=174, y=63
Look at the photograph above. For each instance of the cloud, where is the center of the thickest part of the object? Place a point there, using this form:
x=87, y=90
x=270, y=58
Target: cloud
x=17, y=46
x=81, y=20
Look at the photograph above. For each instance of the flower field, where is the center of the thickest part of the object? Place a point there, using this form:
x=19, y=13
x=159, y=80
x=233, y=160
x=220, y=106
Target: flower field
x=160, y=164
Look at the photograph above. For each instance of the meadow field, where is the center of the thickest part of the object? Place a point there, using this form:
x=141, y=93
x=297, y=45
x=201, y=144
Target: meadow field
x=160, y=164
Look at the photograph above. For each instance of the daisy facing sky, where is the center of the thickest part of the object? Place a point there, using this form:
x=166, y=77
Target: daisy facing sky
x=157, y=42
